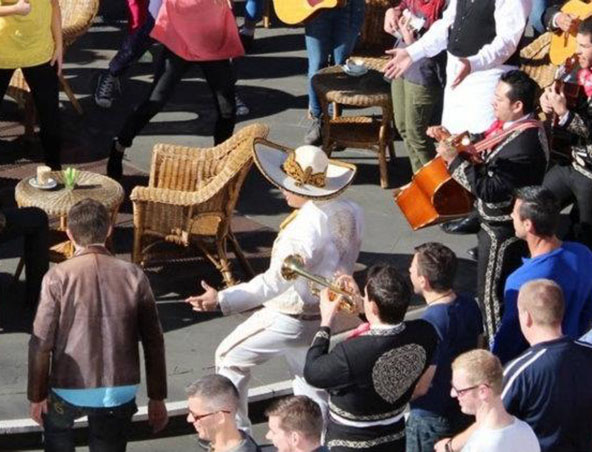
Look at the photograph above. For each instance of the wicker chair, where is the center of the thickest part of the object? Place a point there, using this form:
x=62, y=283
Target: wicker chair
x=373, y=40
x=190, y=199
x=77, y=17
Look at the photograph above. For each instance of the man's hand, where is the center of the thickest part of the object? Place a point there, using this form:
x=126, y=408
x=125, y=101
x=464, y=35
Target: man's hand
x=36, y=410
x=348, y=283
x=207, y=301
x=158, y=417
x=329, y=306
x=557, y=102
x=546, y=105
x=448, y=153
x=22, y=7
x=464, y=69
x=398, y=64
x=440, y=446
x=391, y=19
x=437, y=132
x=566, y=22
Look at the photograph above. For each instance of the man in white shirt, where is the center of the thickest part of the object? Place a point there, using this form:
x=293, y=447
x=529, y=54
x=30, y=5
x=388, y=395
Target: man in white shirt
x=481, y=38
x=477, y=384
x=326, y=232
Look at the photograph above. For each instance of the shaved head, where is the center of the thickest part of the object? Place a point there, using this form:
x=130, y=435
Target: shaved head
x=543, y=300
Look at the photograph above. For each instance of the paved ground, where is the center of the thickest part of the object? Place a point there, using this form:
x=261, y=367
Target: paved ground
x=273, y=84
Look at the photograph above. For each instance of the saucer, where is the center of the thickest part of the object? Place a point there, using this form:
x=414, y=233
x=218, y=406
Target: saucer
x=347, y=70
x=51, y=183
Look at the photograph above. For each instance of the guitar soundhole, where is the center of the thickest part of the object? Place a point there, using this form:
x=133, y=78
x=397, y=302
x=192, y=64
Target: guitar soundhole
x=314, y=3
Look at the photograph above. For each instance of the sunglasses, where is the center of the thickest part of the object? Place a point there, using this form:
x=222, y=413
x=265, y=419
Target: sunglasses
x=197, y=417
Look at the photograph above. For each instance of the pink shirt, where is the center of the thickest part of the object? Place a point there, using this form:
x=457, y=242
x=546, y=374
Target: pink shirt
x=198, y=30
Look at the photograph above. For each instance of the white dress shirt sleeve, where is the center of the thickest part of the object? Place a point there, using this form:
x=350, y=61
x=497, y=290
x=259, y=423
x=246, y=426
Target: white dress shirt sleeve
x=299, y=237
x=510, y=21
x=436, y=38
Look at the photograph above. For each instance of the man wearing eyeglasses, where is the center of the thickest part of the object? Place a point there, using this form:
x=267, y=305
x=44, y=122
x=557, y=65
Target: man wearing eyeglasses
x=212, y=405
x=477, y=385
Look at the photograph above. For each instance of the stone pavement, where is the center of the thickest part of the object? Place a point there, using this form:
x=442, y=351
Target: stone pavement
x=272, y=82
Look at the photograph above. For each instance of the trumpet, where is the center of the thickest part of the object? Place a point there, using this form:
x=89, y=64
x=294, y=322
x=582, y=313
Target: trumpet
x=293, y=266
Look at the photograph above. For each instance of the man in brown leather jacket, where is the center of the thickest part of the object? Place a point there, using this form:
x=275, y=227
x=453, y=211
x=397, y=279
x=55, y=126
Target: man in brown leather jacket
x=83, y=352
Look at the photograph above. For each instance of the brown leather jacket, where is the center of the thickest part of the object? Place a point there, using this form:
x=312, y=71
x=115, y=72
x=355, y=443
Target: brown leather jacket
x=93, y=310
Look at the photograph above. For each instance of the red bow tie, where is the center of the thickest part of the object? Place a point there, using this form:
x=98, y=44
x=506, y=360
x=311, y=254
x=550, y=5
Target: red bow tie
x=585, y=81
x=360, y=330
x=495, y=128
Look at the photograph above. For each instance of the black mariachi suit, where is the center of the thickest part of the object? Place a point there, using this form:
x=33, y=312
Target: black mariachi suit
x=519, y=160
x=573, y=182
x=370, y=379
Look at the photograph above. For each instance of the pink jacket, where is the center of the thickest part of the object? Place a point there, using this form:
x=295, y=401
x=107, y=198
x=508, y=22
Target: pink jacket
x=198, y=30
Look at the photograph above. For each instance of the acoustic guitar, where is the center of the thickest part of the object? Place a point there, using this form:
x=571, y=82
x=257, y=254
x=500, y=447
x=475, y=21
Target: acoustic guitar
x=293, y=12
x=433, y=196
x=563, y=44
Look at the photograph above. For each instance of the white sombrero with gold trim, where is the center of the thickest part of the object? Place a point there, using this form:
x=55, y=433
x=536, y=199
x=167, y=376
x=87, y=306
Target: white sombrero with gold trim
x=305, y=171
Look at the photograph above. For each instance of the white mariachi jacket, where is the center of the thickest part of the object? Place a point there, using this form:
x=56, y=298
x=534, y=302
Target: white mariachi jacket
x=327, y=234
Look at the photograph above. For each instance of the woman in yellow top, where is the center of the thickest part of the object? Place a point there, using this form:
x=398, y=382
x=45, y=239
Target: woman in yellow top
x=31, y=39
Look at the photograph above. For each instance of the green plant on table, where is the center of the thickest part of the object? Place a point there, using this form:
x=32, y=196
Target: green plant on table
x=70, y=177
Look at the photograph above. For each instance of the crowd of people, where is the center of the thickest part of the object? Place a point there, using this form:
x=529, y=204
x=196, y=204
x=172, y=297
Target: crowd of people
x=505, y=371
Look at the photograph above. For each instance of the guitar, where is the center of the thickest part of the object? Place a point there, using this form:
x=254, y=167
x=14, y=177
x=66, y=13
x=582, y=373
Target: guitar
x=433, y=196
x=560, y=141
x=293, y=12
x=563, y=44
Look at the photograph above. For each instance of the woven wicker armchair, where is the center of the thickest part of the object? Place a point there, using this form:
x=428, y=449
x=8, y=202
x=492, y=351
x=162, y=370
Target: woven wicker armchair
x=77, y=17
x=373, y=40
x=190, y=199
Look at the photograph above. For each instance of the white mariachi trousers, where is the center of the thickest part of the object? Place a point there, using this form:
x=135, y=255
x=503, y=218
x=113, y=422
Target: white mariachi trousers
x=267, y=334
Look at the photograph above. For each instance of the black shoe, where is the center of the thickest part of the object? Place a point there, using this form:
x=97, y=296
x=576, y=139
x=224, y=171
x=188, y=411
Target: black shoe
x=108, y=88
x=473, y=253
x=467, y=225
x=247, y=39
x=115, y=163
x=313, y=135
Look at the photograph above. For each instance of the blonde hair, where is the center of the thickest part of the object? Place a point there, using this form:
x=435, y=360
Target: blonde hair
x=482, y=367
x=543, y=300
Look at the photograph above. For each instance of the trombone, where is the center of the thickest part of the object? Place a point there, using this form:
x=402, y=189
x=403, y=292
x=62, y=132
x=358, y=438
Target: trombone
x=293, y=266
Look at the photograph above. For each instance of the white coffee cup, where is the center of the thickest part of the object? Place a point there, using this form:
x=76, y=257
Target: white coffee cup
x=355, y=66
x=43, y=174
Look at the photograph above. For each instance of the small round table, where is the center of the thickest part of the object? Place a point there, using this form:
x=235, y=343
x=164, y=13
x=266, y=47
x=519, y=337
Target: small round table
x=333, y=85
x=57, y=201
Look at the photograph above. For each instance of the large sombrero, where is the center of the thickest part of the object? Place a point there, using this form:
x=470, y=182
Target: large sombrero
x=305, y=171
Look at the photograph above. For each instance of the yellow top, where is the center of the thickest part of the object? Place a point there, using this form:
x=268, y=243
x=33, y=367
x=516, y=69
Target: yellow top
x=26, y=40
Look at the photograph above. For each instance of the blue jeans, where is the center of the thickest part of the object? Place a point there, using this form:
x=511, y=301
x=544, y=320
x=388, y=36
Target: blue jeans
x=253, y=10
x=423, y=431
x=536, y=15
x=332, y=33
x=107, y=427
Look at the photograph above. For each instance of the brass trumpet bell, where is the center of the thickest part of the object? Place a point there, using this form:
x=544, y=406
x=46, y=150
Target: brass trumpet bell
x=293, y=267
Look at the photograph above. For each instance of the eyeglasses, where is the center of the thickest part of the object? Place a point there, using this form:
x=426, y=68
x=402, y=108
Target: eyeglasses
x=461, y=392
x=197, y=417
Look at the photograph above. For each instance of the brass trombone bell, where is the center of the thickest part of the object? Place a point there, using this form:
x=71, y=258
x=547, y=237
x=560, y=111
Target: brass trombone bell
x=293, y=267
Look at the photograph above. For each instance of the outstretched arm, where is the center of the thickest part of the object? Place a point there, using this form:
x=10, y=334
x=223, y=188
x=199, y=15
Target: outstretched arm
x=20, y=8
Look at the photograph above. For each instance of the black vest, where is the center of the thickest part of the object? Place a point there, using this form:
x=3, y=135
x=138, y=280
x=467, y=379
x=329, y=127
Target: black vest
x=474, y=27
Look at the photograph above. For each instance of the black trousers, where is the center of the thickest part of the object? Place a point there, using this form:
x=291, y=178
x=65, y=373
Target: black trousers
x=569, y=186
x=169, y=71
x=30, y=223
x=500, y=253
x=108, y=428
x=44, y=84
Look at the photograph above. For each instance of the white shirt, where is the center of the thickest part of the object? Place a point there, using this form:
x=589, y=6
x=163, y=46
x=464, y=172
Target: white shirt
x=510, y=21
x=516, y=437
x=327, y=234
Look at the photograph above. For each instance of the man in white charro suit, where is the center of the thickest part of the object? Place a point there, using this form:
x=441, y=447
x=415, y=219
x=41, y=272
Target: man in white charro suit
x=327, y=232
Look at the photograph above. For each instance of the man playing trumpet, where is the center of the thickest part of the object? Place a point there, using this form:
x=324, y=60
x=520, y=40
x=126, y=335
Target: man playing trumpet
x=326, y=232
x=371, y=377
